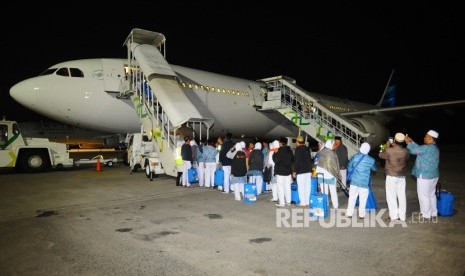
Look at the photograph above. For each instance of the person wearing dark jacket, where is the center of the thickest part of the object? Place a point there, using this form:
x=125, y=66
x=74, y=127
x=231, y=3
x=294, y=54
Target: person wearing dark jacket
x=186, y=154
x=302, y=170
x=255, y=172
x=283, y=160
x=343, y=158
x=238, y=170
x=225, y=161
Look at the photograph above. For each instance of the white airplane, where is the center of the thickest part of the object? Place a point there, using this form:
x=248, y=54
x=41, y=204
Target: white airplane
x=84, y=93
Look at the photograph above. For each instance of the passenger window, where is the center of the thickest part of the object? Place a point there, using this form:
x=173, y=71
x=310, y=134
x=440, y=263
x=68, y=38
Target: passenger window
x=75, y=72
x=63, y=72
x=3, y=135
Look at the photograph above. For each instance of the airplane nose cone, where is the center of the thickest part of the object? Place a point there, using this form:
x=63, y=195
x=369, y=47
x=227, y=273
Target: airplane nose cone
x=24, y=93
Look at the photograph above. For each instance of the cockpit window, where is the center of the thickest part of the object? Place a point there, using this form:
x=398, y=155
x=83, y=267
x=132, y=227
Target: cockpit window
x=48, y=72
x=63, y=72
x=75, y=72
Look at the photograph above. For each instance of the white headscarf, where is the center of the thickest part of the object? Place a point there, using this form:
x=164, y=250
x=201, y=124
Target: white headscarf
x=242, y=144
x=273, y=145
x=193, y=143
x=238, y=146
x=258, y=146
x=329, y=144
x=365, y=148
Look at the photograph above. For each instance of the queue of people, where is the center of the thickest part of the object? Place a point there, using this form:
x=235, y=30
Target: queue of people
x=243, y=164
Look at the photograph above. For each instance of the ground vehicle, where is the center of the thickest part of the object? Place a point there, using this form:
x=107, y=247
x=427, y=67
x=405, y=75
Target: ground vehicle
x=30, y=154
x=141, y=154
x=109, y=162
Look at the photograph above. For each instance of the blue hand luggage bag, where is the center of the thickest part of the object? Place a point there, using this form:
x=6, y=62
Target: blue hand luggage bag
x=192, y=175
x=219, y=177
x=250, y=193
x=445, y=203
x=295, y=194
x=319, y=201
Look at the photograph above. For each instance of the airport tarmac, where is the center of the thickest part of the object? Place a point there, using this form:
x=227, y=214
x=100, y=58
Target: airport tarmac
x=83, y=222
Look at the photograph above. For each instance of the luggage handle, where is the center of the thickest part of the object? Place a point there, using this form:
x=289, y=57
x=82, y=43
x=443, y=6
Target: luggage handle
x=318, y=177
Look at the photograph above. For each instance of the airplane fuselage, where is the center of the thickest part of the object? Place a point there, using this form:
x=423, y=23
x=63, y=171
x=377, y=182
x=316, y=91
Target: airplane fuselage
x=84, y=93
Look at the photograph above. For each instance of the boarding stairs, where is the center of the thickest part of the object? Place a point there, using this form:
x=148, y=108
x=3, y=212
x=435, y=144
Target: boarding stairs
x=164, y=110
x=309, y=115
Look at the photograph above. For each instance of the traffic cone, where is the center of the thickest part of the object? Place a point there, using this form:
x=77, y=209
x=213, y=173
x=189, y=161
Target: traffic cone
x=98, y=166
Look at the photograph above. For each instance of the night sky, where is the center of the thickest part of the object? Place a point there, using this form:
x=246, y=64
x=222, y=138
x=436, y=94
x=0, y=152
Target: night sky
x=336, y=48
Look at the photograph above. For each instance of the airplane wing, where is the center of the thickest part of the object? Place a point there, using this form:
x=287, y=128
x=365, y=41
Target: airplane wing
x=396, y=109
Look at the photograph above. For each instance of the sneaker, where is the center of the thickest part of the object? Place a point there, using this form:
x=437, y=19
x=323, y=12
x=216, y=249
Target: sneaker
x=278, y=205
x=273, y=200
x=225, y=192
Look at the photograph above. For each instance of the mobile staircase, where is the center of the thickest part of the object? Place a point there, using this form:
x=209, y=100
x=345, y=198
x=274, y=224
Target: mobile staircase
x=161, y=104
x=309, y=115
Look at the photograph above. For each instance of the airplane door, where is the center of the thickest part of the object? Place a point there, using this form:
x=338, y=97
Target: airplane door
x=113, y=74
x=257, y=97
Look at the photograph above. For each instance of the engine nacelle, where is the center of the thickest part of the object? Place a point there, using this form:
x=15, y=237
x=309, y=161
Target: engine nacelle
x=379, y=133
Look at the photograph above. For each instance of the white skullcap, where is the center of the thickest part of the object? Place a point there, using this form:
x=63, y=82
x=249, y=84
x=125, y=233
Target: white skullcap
x=193, y=143
x=238, y=146
x=400, y=137
x=329, y=144
x=365, y=148
x=242, y=144
x=258, y=146
x=433, y=133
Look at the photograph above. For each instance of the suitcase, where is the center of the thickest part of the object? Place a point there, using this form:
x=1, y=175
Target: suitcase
x=319, y=201
x=250, y=193
x=192, y=175
x=445, y=203
x=295, y=194
x=219, y=177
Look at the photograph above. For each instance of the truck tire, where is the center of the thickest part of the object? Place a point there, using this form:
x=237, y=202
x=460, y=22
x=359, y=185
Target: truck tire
x=34, y=160
x=150, y=175
x=109, y=164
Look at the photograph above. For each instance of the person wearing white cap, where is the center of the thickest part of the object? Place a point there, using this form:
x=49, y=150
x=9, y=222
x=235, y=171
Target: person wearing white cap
x=426, y=170
x=328, y=165
x=284, y=161
x=238, y=170
x=396, y=171
x=360, y=167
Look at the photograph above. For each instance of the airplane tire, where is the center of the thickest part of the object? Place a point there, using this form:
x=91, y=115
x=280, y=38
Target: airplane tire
x=109, y=164
x=33, y=161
